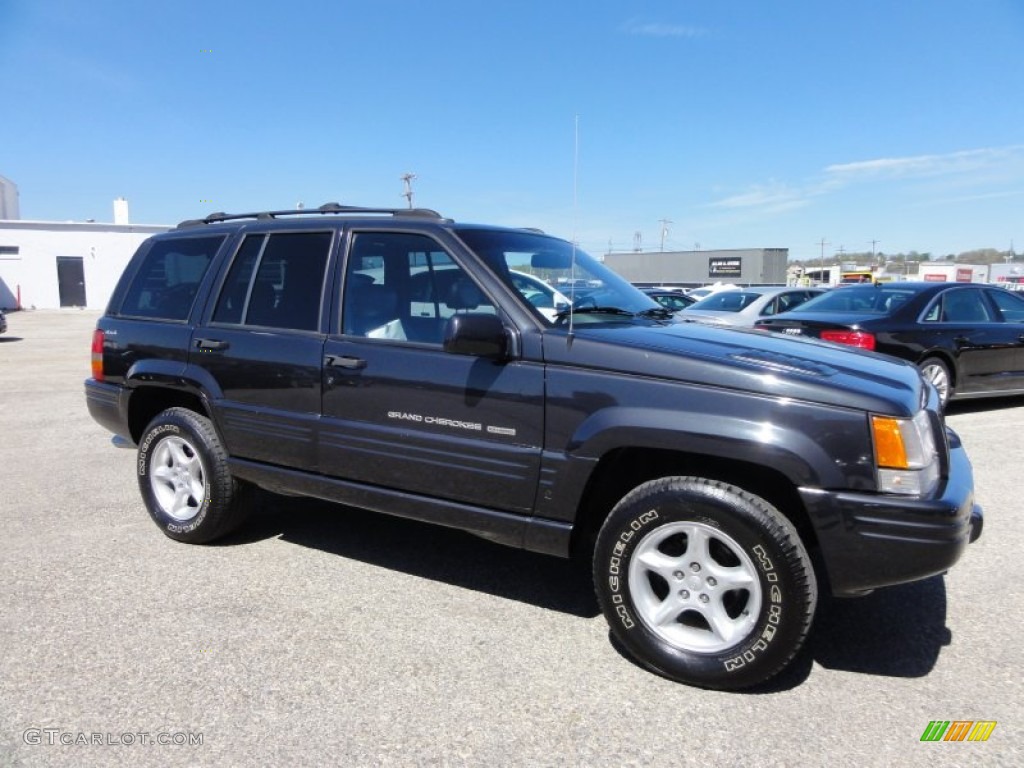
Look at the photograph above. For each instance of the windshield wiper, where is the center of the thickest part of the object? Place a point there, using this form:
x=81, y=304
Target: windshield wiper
x=662, y=313
x=594, y=310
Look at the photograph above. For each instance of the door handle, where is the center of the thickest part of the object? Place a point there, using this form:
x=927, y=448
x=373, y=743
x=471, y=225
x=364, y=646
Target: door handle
x=211, y=345
x=345, y=361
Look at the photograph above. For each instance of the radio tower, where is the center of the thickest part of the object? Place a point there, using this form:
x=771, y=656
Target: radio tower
x=407, y=179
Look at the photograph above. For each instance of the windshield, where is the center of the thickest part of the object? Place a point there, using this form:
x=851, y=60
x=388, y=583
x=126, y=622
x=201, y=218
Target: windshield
x=870, y=299
x=536, y=264
x=726, y=301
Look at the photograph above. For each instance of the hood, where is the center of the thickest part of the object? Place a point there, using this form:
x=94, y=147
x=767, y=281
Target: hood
x=746, y=360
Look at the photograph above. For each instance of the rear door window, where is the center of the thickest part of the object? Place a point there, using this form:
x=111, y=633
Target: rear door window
x=276, y=281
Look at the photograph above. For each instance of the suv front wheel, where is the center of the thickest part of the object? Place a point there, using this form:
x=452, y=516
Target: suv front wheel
x=703, y=582
x=185, y=480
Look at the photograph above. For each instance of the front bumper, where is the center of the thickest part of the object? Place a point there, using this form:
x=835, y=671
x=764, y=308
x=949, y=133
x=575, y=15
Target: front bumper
x=871, y=540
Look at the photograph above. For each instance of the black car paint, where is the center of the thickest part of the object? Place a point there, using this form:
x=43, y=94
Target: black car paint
x=985, y=358
x=541, y=423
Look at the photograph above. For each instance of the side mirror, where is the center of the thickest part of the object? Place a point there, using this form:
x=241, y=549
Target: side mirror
x=476, y=335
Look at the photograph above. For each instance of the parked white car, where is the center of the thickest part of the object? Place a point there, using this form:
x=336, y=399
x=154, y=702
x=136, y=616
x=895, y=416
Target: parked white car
x=744, y=307
x=548, y=300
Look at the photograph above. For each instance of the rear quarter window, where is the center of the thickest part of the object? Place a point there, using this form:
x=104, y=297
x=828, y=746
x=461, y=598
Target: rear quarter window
x=167, y=281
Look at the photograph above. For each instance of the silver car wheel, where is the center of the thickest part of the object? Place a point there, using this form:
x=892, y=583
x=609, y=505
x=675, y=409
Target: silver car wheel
x=178, y=478
x=936, y=373
x=695, y=587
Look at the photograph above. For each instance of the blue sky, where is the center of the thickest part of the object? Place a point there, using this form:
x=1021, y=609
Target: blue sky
x=747, y=123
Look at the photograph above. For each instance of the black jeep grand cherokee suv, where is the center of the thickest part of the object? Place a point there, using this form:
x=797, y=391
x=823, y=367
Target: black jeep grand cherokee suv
x=385, y=359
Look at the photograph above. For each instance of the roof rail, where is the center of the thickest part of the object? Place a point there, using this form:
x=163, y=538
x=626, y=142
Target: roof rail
x=326, y=208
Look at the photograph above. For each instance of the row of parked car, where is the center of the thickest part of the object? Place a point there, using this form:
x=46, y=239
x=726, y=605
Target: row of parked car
x=968, y=339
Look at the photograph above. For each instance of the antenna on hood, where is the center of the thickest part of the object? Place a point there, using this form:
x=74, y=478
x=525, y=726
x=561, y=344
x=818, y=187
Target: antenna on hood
x=575, y=209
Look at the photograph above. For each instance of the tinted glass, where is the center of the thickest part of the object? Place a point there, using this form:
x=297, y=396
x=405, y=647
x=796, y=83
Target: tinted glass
x=1009, y=306
x=168, y=279
x=870, y=299
x=235, y=294
x=276, y=281
x=960, y=305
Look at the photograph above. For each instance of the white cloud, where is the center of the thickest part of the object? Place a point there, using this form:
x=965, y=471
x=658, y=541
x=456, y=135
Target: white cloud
x=976, y=198
x=969, y=168
x=925, y=165
x=772, y=198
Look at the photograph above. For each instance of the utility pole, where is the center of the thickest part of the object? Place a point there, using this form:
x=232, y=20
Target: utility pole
x=407, y=179
x=821, y=276
x=664, y=230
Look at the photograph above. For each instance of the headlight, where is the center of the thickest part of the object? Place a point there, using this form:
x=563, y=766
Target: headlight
x=906, y=456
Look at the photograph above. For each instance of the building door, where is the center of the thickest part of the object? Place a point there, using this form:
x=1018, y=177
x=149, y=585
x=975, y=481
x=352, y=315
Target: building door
x=71, y=281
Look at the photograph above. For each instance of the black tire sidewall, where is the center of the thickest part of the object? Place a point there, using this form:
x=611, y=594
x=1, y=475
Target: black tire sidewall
x=787, y=597
x=173, y=423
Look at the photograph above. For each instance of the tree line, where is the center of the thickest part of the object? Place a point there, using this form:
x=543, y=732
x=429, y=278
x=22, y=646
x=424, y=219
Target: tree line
x=977, y=256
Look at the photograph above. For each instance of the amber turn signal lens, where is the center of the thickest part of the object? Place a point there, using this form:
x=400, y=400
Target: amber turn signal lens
x=889, y=448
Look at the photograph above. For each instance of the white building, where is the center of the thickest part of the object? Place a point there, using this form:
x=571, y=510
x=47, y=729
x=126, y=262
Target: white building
x=945, y=272
x=51, y=264
x=1012, y=272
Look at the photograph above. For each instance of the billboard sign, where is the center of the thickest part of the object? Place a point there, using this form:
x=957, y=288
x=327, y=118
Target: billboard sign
x=725, y=266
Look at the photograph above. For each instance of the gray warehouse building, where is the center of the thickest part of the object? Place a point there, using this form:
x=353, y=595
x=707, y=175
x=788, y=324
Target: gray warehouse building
x=749, y=266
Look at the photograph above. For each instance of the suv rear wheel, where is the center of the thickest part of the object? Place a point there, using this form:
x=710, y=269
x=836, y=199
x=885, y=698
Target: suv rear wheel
x=704, y=583
x=184, y=478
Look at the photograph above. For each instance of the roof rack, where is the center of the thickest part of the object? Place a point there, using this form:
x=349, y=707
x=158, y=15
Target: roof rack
x=326, y=208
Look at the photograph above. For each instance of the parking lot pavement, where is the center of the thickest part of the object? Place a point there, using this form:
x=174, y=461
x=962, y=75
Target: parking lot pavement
x=328, y=635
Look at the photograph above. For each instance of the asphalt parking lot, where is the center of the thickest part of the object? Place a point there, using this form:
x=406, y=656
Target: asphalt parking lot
x=324, y=635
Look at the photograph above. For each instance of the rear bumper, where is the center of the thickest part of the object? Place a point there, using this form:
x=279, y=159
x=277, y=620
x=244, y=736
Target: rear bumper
x=872, y=540
x=107, y=405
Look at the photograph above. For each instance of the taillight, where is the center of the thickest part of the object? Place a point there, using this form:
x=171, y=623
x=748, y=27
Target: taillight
x=97, y=355
x=852, y=338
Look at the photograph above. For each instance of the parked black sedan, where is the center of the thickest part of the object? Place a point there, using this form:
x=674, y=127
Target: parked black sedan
x=968, y=339
x=673, y=300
